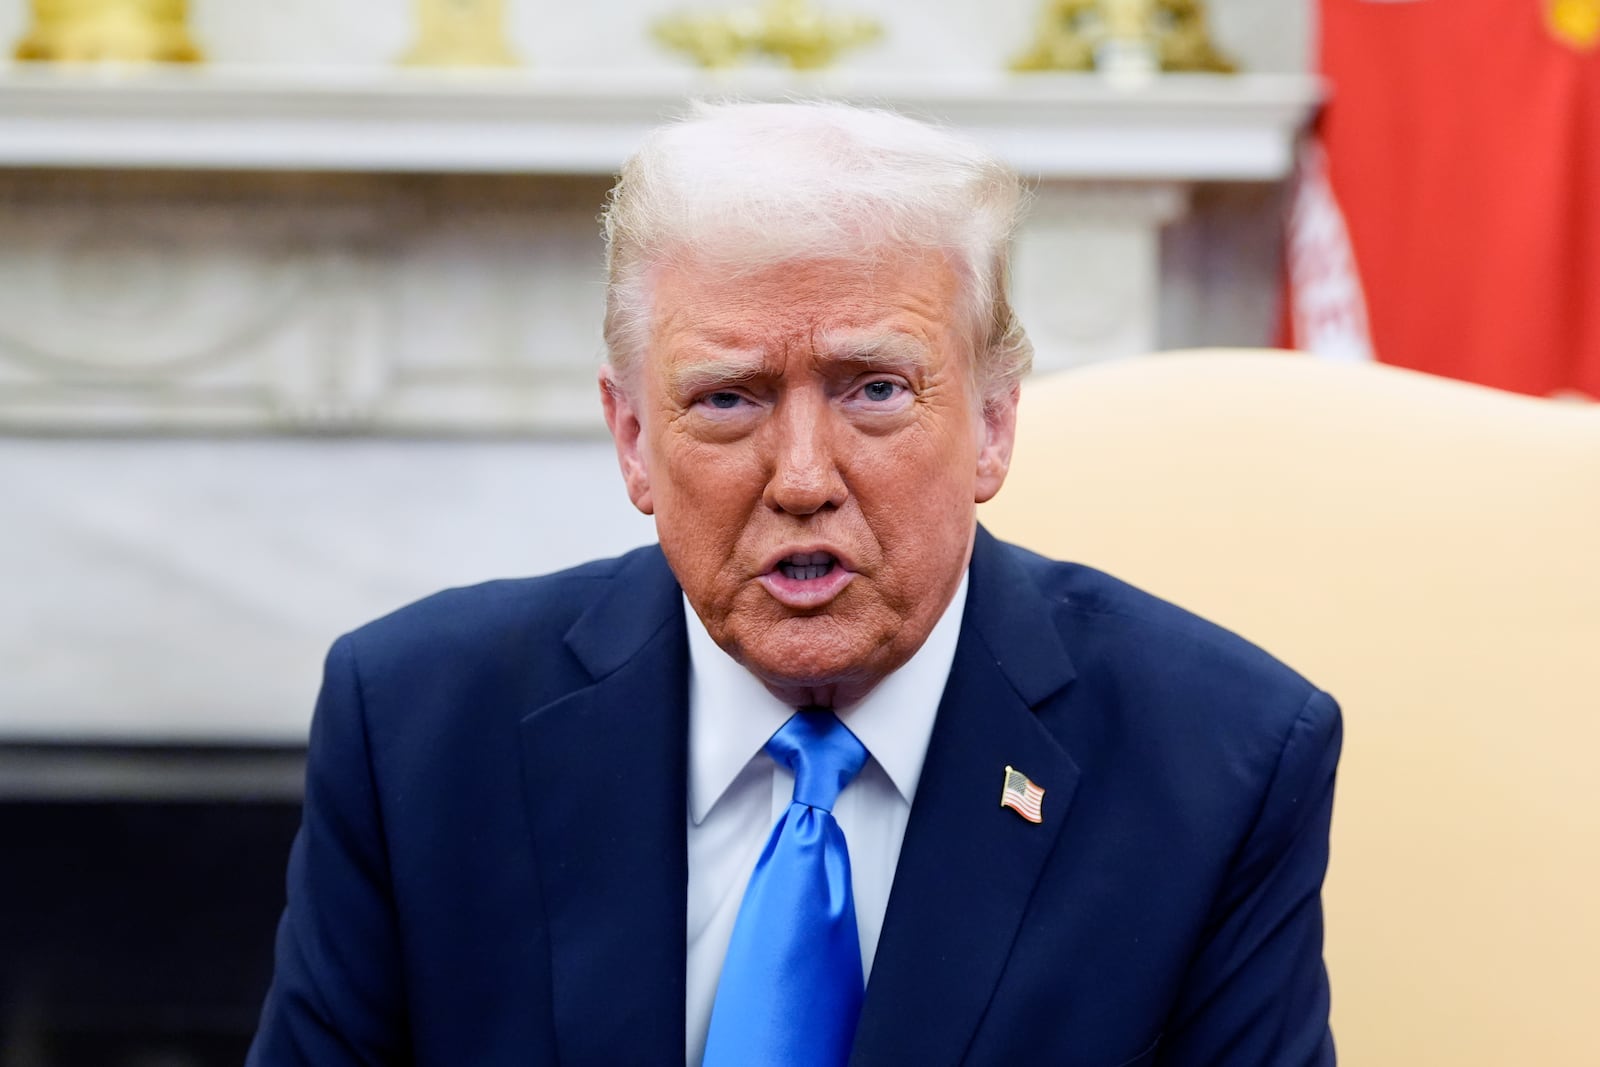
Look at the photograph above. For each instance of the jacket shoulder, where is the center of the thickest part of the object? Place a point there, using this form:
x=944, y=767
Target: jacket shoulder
x=1117, y=632
x=492, y=627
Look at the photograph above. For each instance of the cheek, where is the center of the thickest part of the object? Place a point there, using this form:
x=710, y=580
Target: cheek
x=918, y=491
x=707, y=477
x=703, y=497
x=935, y=465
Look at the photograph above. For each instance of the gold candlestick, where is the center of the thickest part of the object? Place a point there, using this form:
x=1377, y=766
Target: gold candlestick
x=460, y=33
x=1064, y=39
x=1126, y=52
x=1128, y=20
x=1185, y=40
x=115, y=31
x=789, y=30
x=1081, y=34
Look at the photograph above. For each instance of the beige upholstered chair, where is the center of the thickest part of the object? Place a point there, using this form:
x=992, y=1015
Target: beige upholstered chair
x=1430, y=553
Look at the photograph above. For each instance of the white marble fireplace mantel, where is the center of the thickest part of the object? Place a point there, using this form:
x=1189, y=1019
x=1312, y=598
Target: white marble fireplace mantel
x=393, y=305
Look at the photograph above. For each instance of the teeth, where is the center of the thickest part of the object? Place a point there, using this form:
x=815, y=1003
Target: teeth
x=806, y=566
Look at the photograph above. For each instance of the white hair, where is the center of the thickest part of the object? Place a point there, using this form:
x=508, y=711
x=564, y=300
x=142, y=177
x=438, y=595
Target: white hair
x=745, y=186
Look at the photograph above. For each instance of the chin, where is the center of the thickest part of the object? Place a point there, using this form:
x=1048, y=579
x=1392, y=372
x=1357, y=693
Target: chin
x=803, y=658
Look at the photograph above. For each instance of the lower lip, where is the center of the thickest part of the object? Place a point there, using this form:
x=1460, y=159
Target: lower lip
x=806, y=593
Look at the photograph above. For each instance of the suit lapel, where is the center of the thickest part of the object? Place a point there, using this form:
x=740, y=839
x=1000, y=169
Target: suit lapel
x=968, y=867
x=605, y=773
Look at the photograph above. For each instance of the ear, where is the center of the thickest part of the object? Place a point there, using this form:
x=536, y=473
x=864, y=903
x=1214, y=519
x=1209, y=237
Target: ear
x=627, y=431
x=994, y=451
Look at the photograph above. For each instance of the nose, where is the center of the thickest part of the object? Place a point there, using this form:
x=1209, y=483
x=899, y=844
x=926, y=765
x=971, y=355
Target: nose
x=804, y=460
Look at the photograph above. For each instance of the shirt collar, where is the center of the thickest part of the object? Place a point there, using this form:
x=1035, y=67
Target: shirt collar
x=731, y=714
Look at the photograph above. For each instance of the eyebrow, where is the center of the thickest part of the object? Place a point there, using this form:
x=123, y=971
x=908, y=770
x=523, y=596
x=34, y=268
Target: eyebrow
x=888, y=349
x=689, y=378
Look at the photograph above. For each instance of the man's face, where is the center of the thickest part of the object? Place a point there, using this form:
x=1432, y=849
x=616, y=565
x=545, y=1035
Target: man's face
x=813, y=447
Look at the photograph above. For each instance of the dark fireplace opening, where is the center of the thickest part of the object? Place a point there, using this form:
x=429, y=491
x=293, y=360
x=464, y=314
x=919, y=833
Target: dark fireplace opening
x=137, y=933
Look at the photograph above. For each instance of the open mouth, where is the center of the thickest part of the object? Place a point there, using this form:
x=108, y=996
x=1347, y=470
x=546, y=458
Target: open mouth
x=807, y=566
x=809, y=580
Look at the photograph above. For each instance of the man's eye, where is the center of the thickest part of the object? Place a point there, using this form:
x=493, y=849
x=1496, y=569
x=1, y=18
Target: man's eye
x=880, y=390
x=723, y=400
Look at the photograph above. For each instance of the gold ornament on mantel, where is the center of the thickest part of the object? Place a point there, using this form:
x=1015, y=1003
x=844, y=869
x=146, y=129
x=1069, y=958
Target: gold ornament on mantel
x=460, y=33
x=1074, y=35
x=109, y=31
x=790, y=30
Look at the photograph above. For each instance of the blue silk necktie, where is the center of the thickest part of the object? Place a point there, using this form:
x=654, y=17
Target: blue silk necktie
x=791, y=986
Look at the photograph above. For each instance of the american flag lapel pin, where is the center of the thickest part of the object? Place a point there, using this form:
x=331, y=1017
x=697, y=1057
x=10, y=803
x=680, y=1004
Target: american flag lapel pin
x=1021, y=795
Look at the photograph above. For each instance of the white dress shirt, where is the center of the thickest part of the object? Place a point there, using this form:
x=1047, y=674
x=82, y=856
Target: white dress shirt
x=737, y=792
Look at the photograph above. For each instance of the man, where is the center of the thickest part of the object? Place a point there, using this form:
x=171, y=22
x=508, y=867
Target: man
x=681, y=803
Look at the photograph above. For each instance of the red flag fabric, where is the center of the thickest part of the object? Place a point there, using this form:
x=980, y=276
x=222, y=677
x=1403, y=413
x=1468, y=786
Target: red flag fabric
x=1462, y=148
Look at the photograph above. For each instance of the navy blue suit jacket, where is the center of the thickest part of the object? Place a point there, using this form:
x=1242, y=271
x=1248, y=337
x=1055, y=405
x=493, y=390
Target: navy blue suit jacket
x=491, y=869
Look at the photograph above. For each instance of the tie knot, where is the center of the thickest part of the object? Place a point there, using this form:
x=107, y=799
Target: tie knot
x=823, y=754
